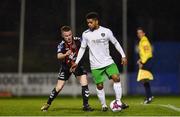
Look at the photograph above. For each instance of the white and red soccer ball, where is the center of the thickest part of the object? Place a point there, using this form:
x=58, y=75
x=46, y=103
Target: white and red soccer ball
x=115, y=106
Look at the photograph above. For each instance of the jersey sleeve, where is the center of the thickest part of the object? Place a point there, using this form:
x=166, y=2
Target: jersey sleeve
x=80, y=55
x=83, y=41
x=116, y=43
x=60, y=48
x=111, y=37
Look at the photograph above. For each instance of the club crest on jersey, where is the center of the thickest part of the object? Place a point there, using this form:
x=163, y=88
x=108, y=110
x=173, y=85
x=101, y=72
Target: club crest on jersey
x=102, y=34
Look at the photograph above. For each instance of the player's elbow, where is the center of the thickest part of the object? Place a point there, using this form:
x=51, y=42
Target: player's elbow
x=60, y=56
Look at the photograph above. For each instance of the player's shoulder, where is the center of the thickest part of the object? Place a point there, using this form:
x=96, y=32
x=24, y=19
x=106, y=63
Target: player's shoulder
x=105, y=29
x=61, y=44
x=144, y=39
x=86, y=31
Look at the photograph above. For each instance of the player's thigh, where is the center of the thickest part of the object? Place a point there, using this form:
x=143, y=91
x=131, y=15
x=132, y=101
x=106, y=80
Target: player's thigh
x=81, y=75
x=98, y=75
x=83, y=80
x=144, y=81
x=64, y=74
x=80, y=70
x=112, y=72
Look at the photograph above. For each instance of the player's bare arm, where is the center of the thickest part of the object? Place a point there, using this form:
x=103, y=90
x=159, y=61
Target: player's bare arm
x=139, y=61
x=62, y=56
x=73, y=67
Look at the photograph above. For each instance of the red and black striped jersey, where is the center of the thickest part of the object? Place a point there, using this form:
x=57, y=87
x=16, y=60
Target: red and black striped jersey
x=63, y=47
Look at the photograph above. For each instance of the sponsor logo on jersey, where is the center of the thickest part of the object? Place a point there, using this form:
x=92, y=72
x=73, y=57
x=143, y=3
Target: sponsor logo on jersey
x=99, y=41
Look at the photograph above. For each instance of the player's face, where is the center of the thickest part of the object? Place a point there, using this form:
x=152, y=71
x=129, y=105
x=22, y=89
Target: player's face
x=92, y=24
x=140, y=34
x=67, y=35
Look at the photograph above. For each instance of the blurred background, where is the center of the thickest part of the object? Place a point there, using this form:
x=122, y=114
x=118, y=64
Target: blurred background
x=29, y=34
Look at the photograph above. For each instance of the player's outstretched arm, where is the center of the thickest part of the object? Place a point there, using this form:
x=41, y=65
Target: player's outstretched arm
x=79, y=57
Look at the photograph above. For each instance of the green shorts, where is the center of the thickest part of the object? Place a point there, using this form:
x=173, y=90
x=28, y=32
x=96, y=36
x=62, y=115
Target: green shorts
x=99, y=75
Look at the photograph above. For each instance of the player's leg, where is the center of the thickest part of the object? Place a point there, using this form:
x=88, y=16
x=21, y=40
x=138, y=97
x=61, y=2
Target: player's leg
x=146, y=82
x=113, y=72
x=117, y=87
x=99, y=77
x=63, y=76
x=53, y=94
x=55, y=91
x=85, y=92
x=148, y=92
x=101, y=95
x=81, y=75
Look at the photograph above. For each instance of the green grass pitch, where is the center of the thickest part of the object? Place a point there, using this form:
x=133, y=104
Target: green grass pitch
x=69, y=106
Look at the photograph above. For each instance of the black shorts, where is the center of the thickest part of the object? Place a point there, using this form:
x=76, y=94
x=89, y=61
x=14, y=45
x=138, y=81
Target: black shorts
x=64, y=72
x=148, y=65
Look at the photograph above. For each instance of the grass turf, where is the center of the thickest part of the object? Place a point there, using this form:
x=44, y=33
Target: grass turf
x=69, y=106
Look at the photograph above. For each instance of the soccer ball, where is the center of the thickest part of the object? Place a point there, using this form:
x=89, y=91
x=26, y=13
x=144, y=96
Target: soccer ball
x=115, y=106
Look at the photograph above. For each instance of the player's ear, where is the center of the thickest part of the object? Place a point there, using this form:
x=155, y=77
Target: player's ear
x=97, y=22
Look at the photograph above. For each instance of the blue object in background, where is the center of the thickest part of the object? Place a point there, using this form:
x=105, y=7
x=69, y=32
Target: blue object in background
x=166, y=70
x=166, y=57
x=162, y=84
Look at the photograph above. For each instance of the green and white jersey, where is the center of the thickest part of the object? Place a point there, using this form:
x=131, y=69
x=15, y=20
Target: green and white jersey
x=98, y=43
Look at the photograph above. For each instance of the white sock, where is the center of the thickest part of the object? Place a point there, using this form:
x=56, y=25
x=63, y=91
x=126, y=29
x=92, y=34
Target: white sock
x=118, y=90
x=101, y=96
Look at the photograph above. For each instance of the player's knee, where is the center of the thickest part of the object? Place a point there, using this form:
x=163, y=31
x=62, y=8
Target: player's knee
x=115, y=78
x=100, y=86
x=83, y=81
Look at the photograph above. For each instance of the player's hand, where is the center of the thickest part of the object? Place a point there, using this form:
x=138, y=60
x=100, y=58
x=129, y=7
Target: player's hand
x=73, y=67
x=124, y=61
x=139, y=64
x=68, y=53
x=139, y=61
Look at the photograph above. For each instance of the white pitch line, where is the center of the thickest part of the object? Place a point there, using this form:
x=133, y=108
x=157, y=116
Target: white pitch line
x=170, y=107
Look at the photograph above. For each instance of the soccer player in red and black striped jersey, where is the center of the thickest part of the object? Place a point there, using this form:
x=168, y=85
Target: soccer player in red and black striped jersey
x=66, y=53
